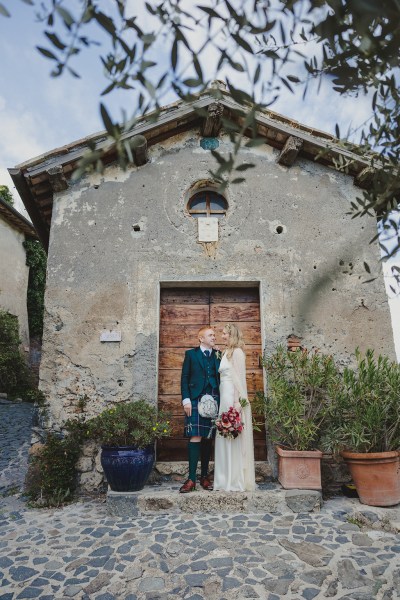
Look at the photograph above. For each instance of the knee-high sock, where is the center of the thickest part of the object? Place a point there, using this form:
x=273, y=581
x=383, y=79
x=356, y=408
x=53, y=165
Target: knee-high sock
x=205, y=455
x=194, y=453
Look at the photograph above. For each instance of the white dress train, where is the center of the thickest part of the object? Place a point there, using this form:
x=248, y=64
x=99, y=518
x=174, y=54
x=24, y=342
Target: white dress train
x=234, y=458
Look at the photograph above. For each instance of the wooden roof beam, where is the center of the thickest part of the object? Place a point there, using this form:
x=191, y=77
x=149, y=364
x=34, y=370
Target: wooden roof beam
x=364, y=178
x=290, y=150
x=212, y=123
x=57, y=178
x=42, y=228
x=139, y=144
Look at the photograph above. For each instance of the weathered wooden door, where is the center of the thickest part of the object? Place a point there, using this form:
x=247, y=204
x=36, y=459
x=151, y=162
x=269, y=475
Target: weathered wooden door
x=182, y=312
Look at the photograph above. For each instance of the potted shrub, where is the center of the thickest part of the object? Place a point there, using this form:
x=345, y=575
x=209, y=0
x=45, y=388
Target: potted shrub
x=365, y=428
x=127, y=433
x=300, y=388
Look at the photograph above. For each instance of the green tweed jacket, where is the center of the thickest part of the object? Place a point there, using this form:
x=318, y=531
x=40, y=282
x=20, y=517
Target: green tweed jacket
x=194, y=376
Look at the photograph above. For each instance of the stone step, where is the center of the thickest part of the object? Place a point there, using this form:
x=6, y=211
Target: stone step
x=263, y=469
x=166, y=499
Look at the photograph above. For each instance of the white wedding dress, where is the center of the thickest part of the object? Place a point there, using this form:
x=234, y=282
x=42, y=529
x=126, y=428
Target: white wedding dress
x=234, y=458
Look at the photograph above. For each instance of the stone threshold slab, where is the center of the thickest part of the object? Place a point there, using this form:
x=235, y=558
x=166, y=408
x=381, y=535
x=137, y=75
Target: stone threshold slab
x=166, y=499
x=262, y=468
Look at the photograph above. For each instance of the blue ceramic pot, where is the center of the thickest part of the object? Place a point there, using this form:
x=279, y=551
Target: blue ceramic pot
x=127, y=468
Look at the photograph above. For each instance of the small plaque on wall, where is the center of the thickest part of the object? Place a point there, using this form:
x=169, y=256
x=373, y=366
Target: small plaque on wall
x=110, y=335
x=208, y=229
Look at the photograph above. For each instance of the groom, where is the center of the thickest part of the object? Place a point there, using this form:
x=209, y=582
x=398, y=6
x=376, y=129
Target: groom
x=199, y=376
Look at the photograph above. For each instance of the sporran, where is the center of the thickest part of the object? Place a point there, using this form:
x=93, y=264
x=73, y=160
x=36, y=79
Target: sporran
x=207, y=407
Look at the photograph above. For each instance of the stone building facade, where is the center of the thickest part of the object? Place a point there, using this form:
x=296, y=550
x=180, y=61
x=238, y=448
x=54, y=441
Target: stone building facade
x=14, y=273
x=119, y=240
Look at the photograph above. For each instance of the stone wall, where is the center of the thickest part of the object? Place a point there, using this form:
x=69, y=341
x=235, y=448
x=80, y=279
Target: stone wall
x=117, y=238
x=14, y=276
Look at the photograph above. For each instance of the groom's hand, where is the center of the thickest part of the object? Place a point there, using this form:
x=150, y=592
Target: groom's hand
x=188, y=409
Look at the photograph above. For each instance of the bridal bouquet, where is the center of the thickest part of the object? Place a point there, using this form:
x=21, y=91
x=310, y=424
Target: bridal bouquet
x=229, y=424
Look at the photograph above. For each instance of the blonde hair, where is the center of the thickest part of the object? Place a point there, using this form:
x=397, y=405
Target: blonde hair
x=235, y=339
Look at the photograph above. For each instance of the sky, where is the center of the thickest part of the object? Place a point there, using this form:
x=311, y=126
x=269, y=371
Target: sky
x=39, y=113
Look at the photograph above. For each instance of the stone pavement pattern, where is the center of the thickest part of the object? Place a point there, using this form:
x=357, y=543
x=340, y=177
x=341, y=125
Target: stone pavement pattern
x=15, y=436
x=81, y=552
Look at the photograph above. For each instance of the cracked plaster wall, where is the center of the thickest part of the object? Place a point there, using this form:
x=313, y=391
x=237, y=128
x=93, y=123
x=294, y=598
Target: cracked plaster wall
x=104, y=274
x=14, y=275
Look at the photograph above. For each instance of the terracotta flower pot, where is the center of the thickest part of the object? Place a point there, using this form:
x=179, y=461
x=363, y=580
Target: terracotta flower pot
x=299, y=469
x=376, y=476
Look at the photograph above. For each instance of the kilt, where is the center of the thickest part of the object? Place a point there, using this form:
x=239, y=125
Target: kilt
x=195, y=425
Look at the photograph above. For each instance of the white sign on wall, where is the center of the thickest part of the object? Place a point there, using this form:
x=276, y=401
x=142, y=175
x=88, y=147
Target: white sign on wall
x=208, y=229
x=110, y=335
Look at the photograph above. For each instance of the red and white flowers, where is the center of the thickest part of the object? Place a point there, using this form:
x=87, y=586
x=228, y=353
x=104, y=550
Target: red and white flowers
x=229, y=424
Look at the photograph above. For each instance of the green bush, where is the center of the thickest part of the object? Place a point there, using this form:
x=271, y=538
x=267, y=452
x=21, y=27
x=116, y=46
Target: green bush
x=366, y=414
x=52, y=475
x=35, y=396
x=15, y=377
x=36, y=260
x=6, y=195
x=129, y=424
x=301, y=387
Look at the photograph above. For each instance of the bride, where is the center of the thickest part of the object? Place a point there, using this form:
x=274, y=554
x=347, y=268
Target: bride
x=234, y=458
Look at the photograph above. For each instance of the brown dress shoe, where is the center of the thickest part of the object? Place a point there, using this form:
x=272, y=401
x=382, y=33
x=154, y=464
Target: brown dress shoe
x=188, y=486
x=206, y=484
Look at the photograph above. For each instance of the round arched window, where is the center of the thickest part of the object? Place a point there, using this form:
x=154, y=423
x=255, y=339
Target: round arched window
x=207, y=203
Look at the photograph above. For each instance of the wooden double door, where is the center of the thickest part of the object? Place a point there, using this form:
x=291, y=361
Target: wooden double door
x=183, y=311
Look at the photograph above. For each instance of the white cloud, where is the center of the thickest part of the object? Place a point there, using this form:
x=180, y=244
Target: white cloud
x=21, y=138
x=74, y=108
x=21, y=135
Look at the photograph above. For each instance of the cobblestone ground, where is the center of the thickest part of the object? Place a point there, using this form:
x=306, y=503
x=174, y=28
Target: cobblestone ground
x=80, y=552
x=15, y=428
